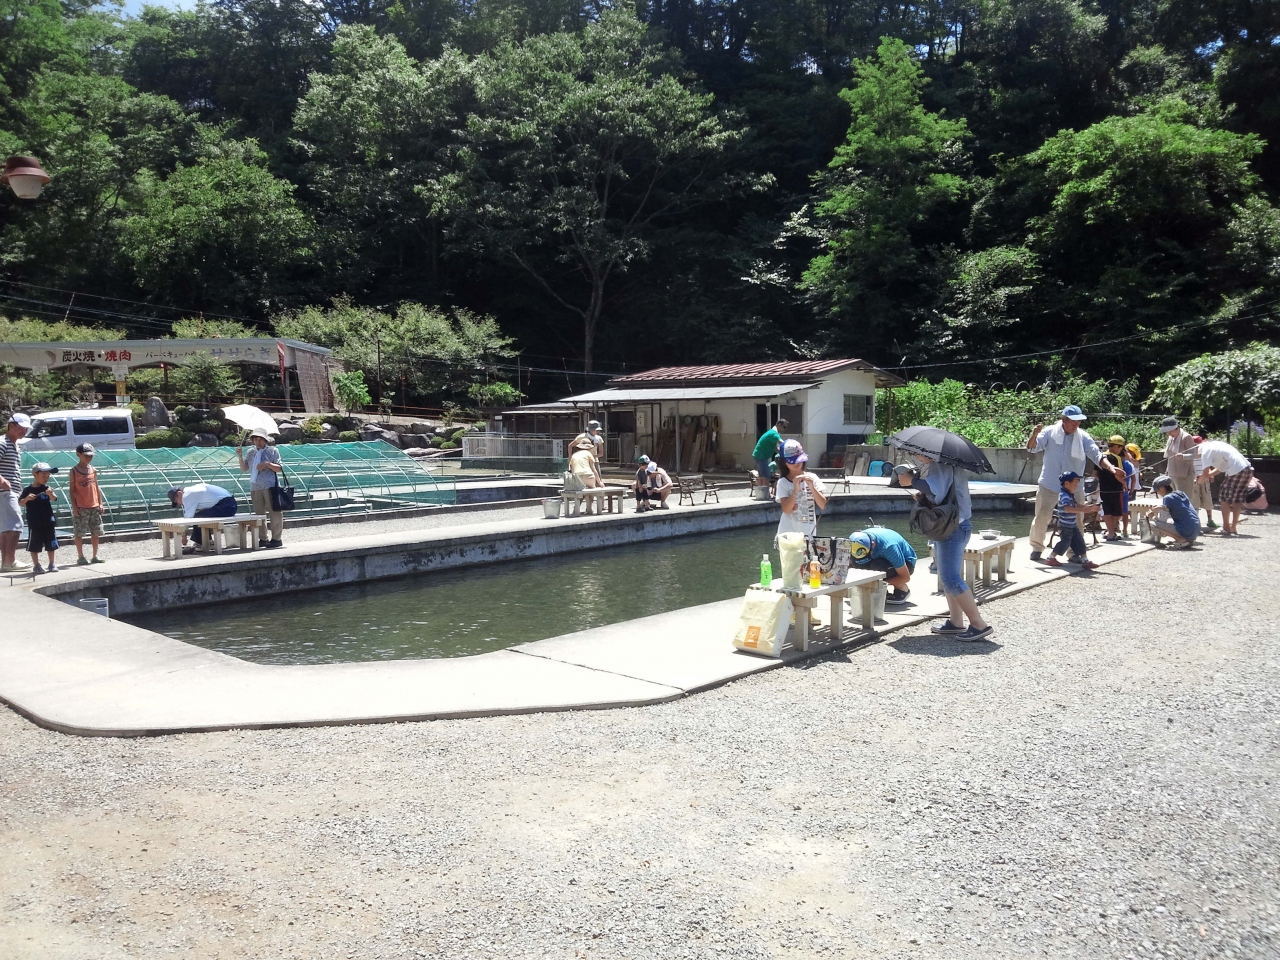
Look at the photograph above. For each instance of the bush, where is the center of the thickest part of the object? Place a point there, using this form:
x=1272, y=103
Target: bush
x=458, y=434
x=349, y=436
x=215, y=427
x=231, y=440
x=312, y=426
x=448, y=445
x=171, y=437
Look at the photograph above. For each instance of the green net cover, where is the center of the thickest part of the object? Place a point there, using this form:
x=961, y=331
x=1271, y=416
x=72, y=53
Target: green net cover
x=329, y=479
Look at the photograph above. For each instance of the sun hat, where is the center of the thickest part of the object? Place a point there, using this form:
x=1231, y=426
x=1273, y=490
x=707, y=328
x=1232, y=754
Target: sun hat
x=259, y=432
x=1116, y=439
x=792, y=452
x=593, y=425
x=1163, y=480
x=1169, y=424
x=1135, y=450
x=1073, y=413
x=21, y=419
x=43, y=467
x=86, y=448
x=1068, y=476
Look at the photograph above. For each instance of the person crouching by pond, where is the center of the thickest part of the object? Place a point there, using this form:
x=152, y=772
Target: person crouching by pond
x=198, y=501
x=1178, y=520
x=935, y=481
x=800, y=494
x=263, y=465
x=653, y=486
x=879, y=548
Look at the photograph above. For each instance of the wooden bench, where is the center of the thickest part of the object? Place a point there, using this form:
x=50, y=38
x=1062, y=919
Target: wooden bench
x=605, y=499
x=980, y=554
x=805, y=598
x=691, y=484
x=250, y=530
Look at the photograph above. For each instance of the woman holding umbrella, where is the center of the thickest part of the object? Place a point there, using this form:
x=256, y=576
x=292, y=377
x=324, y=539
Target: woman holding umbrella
x=941, y=457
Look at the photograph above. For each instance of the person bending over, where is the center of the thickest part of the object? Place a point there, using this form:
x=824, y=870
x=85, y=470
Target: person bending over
x=879, y=548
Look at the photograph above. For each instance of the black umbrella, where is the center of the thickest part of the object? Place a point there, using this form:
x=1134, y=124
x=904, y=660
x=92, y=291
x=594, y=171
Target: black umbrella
x=944, y=447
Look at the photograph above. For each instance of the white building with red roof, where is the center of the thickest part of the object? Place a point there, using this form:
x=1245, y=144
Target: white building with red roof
x=709, y=417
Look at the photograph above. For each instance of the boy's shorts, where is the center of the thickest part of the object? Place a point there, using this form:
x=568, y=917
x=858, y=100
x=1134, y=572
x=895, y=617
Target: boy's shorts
x=87, y=522
x=42, y=538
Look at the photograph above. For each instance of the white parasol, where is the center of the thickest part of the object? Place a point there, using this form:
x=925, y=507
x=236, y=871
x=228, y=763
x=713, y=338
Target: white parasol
x=251, y=418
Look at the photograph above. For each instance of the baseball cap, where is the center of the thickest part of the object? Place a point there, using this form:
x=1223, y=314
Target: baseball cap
x=21, y=419
x=1197, y=439
x=43, y=467
x=86, y=448
x=1116, y=439
x=651, y=467
x=792, y=452
x=1073, y=413
x=1068, y=476
x=643, y=459
x=1169, y=424
x=859, y=545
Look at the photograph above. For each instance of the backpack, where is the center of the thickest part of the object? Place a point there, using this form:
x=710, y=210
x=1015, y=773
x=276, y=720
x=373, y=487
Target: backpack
x=936, y=521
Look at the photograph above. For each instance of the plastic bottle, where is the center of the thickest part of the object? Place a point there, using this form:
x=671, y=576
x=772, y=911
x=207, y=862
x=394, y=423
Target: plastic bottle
x=766, y=572
x=815, y=574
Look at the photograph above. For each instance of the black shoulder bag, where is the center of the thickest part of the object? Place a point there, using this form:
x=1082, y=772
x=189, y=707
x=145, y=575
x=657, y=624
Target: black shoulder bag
x=936, y=521
x=282, y=493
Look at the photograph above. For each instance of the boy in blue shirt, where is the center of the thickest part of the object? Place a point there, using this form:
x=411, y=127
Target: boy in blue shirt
x=1183, y=522
x=1068, y=513
x=879, y=548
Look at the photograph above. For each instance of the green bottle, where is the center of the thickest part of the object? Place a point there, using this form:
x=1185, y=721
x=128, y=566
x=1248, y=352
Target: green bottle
x=766, y=572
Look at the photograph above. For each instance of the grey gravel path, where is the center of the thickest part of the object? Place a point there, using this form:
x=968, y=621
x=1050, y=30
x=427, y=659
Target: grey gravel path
x=1101, y=782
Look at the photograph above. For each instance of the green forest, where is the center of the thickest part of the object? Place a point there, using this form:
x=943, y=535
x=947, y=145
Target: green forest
x=978, y=189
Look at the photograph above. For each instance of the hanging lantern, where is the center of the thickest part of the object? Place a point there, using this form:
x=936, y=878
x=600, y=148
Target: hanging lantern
x=24, y=176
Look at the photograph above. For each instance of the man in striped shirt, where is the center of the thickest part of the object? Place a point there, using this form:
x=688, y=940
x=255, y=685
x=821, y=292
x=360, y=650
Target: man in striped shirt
x=10, y=484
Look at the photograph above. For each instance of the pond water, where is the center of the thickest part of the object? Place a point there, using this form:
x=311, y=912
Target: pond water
x=458, y=613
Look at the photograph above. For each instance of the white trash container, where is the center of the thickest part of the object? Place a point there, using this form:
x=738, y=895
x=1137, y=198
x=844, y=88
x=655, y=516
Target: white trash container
x=96, y=605
x=877, y=601
x=551, y=509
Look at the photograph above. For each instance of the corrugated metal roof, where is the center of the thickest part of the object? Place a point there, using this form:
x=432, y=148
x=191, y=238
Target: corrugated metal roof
x=653, y=394
x=781, y=371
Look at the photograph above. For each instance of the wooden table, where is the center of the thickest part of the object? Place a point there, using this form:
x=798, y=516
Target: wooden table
x=250, y=531
x=805, y=598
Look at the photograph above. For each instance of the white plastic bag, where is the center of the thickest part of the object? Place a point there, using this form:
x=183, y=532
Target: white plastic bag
x=763, y=625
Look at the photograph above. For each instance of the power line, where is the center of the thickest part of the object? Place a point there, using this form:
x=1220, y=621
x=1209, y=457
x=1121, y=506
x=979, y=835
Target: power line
x=189, y=311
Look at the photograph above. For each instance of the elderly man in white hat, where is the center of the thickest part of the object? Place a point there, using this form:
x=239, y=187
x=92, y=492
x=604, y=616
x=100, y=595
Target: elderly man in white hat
x=263, y=465
x=10, y=484
x=1066, y=447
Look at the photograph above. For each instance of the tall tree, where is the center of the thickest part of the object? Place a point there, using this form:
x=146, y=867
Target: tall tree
x=582, y=150
x=886, y=208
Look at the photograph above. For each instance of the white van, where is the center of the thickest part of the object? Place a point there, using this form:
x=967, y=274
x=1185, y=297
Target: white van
x=107, y=429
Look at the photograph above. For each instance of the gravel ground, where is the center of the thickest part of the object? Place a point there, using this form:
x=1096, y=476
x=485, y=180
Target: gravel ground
x=1098, y=783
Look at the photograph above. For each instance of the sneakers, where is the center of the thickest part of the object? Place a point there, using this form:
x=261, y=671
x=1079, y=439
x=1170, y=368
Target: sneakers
x=947, y=629
x=272, y=544
x=897, y=597
x=1211, y=525
x=53, y=568
x=974, y=633
x=1051, y=562
x=1088, y=565
x=82, y=562
x=97, y=560
x=190, y=549
x=1035, y=555
x=37, y=570
x=20, y=564
x=1180, y=545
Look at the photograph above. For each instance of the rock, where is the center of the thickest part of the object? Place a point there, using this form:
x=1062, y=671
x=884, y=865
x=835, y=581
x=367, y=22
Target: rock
x=372, y=431
x=422, y=426
x=155, y=413
x=290, y=432
x=442, y=431
x=329, y=432
x=411, y=440
x=203, y=440
x=419, y=451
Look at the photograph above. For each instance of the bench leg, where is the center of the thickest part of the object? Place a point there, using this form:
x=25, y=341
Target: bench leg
x=1002, y=564
x=867, y=592
x=165, y=544
x=986, y=569
x=836, y=633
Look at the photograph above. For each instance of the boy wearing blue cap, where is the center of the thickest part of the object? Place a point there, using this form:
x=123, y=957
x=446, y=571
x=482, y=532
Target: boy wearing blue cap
x=42, y=534
x=1069, y=535
x=879, y=548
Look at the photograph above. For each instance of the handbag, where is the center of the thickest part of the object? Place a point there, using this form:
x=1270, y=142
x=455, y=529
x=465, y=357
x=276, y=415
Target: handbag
x=833, y=555
x=936, y=521
x=281, y=493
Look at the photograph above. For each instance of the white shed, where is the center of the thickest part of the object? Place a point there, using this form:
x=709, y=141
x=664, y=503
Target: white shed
x=722, y=409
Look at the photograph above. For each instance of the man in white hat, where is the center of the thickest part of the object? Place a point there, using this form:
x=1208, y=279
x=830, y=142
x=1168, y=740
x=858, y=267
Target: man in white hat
x=1066, y=447
x=263, y=465
x=10, y=484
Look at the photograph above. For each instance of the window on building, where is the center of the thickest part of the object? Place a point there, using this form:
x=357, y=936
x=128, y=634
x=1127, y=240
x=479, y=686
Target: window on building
x=857, y=408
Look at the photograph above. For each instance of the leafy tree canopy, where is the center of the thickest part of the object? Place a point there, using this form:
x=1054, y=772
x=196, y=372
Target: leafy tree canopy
x=1233, y=383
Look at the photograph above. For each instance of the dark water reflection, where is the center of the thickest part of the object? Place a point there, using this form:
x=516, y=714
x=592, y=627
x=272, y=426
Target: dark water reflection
x=474, y=610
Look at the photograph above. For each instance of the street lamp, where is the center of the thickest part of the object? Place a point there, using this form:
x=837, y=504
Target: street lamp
x=24, y=176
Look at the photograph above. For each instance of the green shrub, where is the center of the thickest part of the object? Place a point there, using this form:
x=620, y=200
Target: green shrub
x=348, y=436
x=231, y=440
x=448, y=445
x=458, y=434
x=208, y=426
x=312, y=426
x=171, y=437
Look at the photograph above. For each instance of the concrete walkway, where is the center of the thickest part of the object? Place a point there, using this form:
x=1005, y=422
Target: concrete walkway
x=80, y=673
